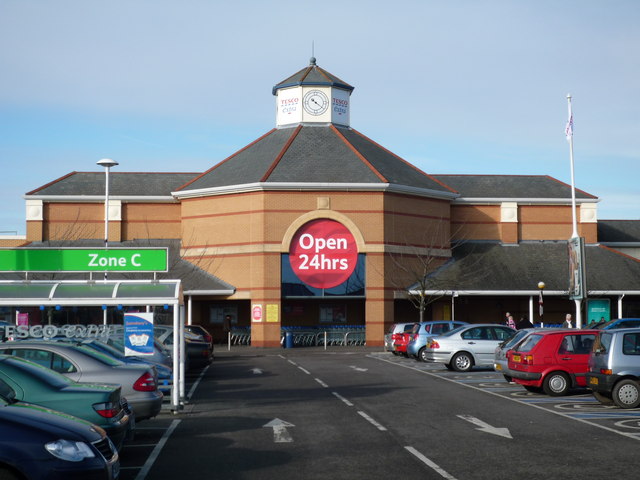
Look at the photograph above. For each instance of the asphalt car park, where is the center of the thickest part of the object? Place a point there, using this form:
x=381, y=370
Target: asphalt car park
x=348, y=413
x=578, y=405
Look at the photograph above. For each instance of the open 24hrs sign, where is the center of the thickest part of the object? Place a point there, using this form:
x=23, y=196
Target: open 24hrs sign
x=323, y=253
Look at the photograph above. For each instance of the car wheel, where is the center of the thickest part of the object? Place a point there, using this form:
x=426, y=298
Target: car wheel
x=508, y=378
x=6, y=474
x=394, y=352
x=602, y=398
x=556, y=384
x=448, y=365
x=422, y=354
x=626, y=394
x=462, y=362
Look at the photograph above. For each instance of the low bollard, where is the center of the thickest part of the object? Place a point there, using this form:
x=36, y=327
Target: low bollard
x=288, y=340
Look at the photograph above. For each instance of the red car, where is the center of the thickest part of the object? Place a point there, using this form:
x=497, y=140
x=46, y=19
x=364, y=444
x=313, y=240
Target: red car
x=552, y=361
x=401, y=339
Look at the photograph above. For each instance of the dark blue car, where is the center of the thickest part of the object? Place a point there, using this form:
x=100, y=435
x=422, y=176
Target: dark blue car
x=40, y=443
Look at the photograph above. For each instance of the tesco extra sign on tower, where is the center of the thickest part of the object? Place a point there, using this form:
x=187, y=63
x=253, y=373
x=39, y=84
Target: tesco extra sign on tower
x=323, y=253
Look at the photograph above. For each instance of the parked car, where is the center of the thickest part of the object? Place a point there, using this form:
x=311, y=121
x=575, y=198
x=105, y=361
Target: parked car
x=422, y=331
x=395, y=329
x=203, y=332
x=21, y=380
x=197, y=350
x=614, y=367
x=83, y=364
x=464, y=347
x=500, y=361
x=38, y=443
x=618, y=323
x=552, y=361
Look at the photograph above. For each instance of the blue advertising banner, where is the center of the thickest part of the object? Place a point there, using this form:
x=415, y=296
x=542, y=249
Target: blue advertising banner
x=138, y=334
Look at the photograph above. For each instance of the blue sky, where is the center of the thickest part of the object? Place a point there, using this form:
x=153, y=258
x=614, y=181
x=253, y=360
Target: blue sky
x=465, y=86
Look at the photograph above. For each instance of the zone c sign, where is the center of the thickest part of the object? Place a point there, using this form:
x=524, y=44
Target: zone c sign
x=323, y=253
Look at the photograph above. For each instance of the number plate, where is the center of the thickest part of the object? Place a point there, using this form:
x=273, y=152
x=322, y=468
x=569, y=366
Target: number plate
x=516, y=358
x=593, y=381
x=498, y=366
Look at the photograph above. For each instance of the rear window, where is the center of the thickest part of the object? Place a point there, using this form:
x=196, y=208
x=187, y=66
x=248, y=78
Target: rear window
x=631, y=343
x=101, y=357
x=602, y=343
x=528, y=343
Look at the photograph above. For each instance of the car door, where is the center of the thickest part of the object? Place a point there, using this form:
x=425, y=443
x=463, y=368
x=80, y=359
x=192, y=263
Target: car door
x=573, y=354
x=481, y=343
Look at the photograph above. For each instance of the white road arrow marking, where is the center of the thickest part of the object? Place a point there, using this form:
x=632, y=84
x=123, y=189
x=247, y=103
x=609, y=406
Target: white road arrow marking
x=485, y=427
x=280, y=433
x=358, y=369
x=257, y=371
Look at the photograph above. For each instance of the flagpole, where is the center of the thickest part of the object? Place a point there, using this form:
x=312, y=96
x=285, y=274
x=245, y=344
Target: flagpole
x=569, y=133
x=574, y=234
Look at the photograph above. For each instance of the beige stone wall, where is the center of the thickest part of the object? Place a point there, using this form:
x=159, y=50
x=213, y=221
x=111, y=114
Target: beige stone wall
x=150, y=220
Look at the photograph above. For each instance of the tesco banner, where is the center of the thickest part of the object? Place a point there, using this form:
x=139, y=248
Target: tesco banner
x=323, y=253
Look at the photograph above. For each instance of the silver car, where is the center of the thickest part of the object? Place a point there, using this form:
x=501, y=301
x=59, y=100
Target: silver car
x=614, y=367
x=465, y=347
x=83, y=364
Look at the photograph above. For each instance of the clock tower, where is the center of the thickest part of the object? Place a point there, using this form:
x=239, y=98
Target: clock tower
x=312, y=95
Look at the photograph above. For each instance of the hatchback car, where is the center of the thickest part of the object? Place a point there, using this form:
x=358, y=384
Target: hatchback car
x=198, y=353
x=552, y=361
x=500, y=362
x=40, y=443
x=21, y=380
x=83, y=364
x=614, y=367
x=618, y=323
x=465, y=347
x=422, y=331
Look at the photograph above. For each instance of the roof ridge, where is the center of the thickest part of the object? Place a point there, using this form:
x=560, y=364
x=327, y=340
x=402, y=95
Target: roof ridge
x=405, y=162
x=286, y=146
x=362, y=158
x=226, y=159
x=51, y=183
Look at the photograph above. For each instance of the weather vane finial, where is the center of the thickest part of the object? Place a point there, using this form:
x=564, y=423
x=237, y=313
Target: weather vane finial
x=312, y=61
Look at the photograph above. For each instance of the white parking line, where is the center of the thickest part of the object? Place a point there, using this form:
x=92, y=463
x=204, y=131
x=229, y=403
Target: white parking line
x=142, y=474
x=197, y=382
x=372, y=421
x=344, y=400
x=322, y=383
x=429, y=463
x=292, y=362
x=305, y=371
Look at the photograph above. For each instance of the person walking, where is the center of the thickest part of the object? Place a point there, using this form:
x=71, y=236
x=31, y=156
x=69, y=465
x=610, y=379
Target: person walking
x=567, y=322
x=524, y=323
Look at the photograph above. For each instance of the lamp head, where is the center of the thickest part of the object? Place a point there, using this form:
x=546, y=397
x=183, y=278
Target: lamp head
x=107, y=162
x=541, y=285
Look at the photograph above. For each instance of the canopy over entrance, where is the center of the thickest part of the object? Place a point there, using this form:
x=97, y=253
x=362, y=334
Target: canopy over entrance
x=89, y=293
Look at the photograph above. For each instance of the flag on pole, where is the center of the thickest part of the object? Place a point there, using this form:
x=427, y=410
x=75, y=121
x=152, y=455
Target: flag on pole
x=568, y=131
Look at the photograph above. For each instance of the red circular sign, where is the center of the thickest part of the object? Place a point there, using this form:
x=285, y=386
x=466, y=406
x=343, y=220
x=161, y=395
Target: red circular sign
x=323, y=253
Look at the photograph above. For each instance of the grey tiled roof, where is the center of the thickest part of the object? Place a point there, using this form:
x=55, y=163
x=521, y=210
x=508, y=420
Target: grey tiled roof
x=192, y=276
x=612, y=231
x=120, y=183
x=312, y=75
x=314, y=154
x=510, y=186
x=485, y=266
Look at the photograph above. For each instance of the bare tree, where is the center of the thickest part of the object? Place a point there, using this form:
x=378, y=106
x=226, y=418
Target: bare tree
x=417, y=269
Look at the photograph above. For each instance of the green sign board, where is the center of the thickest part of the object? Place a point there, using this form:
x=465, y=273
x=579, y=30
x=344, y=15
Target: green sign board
x=83, y=260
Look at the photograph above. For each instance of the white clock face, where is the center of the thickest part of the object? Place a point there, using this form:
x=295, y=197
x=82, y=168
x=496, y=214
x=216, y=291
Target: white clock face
x=315, y=102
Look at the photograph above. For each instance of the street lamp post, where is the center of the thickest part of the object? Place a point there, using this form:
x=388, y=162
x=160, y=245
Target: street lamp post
x=107, y=163
x=541, y=286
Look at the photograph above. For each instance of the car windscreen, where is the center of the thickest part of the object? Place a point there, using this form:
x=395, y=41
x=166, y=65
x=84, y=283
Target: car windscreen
x=454, y=331
x=43, y=374
x=528, y=343
x=101, y=357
